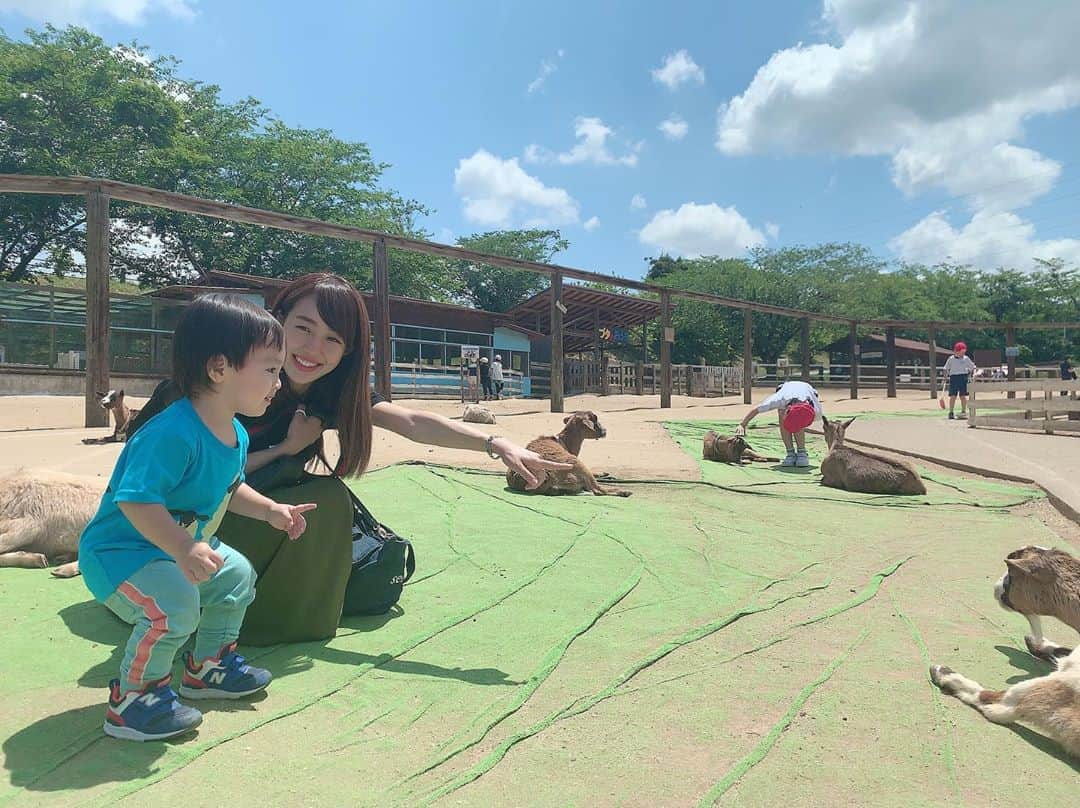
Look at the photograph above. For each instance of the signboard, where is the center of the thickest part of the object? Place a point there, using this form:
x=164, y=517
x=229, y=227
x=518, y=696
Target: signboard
x=559, y=305
x=669, y=335
x=1012, y=351
x=619, y=336
x=872, y=354
x=470, y=353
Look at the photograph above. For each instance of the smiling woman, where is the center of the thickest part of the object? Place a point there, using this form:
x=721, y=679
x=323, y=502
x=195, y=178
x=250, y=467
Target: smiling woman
x=325, y=384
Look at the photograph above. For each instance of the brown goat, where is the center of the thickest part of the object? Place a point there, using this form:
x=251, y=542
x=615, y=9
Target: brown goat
x=564, y=448
x=1039, y=581
x=724, y=449
x=42, y=515
x=113, y=401
x=852, y=469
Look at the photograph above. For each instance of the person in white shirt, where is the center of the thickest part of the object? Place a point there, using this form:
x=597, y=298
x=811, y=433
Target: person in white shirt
x=798, y=406
x=958, y=368
x=497, y=376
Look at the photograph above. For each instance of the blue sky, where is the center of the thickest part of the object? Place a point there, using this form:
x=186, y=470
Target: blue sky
x=926, y=130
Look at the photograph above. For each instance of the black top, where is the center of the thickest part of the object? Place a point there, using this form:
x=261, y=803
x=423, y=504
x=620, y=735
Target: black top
x=1066, y=370
x=485, y=372
x=266, y=430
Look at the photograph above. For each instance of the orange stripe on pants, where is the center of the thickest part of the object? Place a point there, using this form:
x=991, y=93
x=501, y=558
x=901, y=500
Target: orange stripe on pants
x=159, y=627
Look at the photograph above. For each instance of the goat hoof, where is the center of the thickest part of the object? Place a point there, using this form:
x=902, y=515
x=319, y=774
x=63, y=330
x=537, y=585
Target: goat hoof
x=939, y=672
x=624, y=493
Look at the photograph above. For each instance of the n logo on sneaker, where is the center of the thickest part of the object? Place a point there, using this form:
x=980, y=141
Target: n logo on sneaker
x=149, y=699
x=217, y=677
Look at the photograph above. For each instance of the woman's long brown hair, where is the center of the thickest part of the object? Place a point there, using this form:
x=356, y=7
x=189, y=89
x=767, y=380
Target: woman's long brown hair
x=342, y=309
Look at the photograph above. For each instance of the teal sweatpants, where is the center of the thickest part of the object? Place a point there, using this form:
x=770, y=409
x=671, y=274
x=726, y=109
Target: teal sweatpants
x=164, y=607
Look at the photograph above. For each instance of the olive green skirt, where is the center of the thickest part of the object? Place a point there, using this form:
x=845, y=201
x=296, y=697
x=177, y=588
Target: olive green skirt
x=301, y=584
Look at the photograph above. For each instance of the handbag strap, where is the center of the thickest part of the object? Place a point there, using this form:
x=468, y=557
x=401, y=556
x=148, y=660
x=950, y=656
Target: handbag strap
x=410, y=561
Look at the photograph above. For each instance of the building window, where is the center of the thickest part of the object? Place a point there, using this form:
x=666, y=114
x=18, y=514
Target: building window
x=406, y=332
x=519, y=362
x=406, y=352
x=431, y=354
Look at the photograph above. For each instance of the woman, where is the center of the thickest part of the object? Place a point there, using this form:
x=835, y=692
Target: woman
x=324, y=385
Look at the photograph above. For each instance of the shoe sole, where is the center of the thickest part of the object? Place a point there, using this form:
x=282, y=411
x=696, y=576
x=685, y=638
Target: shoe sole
x=211, y=693
x=129, y=734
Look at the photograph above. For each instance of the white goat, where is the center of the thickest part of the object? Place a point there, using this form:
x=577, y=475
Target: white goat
x=1039, y=581
x=42, y=515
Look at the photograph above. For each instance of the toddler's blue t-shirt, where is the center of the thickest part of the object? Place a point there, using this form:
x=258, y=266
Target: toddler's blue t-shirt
x=174, y=461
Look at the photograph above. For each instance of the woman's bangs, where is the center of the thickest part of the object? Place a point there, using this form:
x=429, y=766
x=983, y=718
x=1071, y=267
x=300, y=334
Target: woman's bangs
x=338, y=311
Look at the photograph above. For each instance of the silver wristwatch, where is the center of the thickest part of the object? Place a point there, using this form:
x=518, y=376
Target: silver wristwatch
x=488, y=446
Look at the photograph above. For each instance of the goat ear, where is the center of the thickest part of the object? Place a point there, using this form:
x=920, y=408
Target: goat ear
x=849, y=421
x=824, y=420
x=566, y=420
x=1034, y=567
x=120, y=393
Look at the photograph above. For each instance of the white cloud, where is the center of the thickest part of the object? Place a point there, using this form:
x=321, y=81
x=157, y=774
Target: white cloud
x=547, y=67
x=989, y=240
x=592, y=147
x=678, y=68
x=772, y=230
x=128, y=12
x=674, y=128
x=591, y=223
x=637, y=202
x=925, y=84
x=695, y=230
x=499, y=192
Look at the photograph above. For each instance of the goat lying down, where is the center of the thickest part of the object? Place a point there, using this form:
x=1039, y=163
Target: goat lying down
x=564, y=448
x=122, y=414
x=1039, y=581
x=42, y=515
x=852, y=469
x=724, y=449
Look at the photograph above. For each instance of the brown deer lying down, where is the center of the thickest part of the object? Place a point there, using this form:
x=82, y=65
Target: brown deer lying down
x=42, y=515
x=564, y=448
x=731, y=450
x=122, y=415
x=1038, y=582
x=852, y=469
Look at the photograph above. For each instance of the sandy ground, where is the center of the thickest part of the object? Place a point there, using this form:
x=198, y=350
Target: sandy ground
x=46, y=432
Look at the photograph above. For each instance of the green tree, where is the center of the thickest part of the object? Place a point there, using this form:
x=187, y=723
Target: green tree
x=494, y=289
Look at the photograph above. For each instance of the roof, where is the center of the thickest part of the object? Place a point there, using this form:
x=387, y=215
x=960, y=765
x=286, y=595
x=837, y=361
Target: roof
x=901, y=343
x=585, y=309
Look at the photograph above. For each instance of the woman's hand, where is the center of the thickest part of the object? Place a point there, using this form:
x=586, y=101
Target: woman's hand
x=304, y=430
x=289, y=518
x=531, y=466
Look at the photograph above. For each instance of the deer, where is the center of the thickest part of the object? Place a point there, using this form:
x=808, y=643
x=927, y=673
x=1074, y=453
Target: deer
x=565, y=448
x=1038, y=581
x=852, y=469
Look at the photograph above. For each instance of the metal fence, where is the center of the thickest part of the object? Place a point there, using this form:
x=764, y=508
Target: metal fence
x=44, y=327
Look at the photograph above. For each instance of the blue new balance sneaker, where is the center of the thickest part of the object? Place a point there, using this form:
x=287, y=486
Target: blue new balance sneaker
x=151, y=714
x=226, y=677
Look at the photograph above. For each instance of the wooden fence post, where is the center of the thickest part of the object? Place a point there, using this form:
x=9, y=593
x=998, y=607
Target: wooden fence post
x=933, y=363
x=1010, y=342
x=804, y=348
x=748, y=356
x=97, y=307
x=665, y=350
x=382, y=319
x=556, y=343
x=890, y=362
x=853, y=345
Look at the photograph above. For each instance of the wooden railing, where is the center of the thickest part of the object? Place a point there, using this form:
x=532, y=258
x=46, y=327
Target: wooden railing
x=1045, y=405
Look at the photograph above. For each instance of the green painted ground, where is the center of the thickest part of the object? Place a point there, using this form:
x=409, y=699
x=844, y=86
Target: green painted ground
x=753, y=639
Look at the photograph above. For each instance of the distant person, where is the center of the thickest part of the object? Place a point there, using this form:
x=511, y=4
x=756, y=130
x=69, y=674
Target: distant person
x=485, y=378
x=798, y=406
x=958, y=368
x=1067, y=373
x=497, y=376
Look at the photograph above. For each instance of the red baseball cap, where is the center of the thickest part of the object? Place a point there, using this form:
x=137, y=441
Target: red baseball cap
x=960, y=346
x=799, y=416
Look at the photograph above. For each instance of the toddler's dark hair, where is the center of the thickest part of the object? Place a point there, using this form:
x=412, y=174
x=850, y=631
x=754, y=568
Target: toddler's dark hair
x=219, y=325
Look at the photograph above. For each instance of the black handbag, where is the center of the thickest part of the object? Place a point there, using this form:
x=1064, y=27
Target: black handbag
x=382, y=562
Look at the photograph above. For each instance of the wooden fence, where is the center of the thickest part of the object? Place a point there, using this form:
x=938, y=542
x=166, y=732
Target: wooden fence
x=1040, y=405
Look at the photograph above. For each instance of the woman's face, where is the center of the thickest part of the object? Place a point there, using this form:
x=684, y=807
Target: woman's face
x=312, y=349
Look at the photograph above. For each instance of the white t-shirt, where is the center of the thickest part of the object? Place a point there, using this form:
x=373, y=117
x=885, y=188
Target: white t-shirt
x=958, y=365
x=496, y=371
x=789, y=392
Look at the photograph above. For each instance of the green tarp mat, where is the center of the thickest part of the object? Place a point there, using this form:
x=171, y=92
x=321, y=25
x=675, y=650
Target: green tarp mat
x=697, y=643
